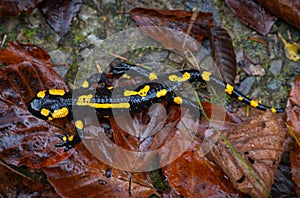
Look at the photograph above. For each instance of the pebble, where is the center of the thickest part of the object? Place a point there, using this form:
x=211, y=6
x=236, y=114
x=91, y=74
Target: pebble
x=274, y=84
x=276, y=67
x=246, y=84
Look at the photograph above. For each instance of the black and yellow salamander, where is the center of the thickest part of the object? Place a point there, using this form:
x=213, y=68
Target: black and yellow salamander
x=56, y=103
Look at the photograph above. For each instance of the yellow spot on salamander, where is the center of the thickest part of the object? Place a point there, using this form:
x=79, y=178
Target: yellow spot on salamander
x=161, y=93
x=240, y=98
x=60, y=113
x=178, y=100
x=79, y=124
x=152, y=76
x=184, y=77
x=254, y=103
x=110, y=87
x=229, y=89
x=85, y=84
x=50, y=119
x=45, y=112
x=85, y=100
x=70, y=138
x=41, y=94
x=113, y=106
x=126, y=76
x=206, y=76
x=57, y=92
x=273, y=110
x=64, y=138
x=143, y=92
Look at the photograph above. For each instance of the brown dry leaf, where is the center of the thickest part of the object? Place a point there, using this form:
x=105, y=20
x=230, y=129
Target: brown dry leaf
x=295, y=164
x=82, y=175
x=252, y=14
x=288, y=10
x=25, y=139
x=293, y=108
x=16, y=7
x=260, y=142
x=169, y=27
x=15, y=184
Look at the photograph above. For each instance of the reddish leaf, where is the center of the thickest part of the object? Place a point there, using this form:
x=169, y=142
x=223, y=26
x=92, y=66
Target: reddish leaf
x=26, y=140
x=295, y=164
x=195, y=176
x=59, y=14
x=288, y=10
x=253, y=14
x=15, y=184
x=85, y=176
x=177, y=22
x=260, y=142
x=293, y=108
x=16, y=7
x=223, y=54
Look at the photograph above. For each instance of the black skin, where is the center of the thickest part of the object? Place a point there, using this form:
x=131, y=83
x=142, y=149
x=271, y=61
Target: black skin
x=103, y=95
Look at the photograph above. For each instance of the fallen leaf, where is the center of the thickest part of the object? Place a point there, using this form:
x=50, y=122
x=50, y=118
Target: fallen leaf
x=295, y=165
x=288, y=10
x=25, y=139
x=170, y=27
x=16, y=7
x=293, y=108
x=15, y=184
x=59, y=14
x=223, y=54
x=260, y=142
x=252, y=14
x=85, y=176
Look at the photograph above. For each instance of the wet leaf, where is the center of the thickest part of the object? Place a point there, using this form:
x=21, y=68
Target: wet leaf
x=288, y=10
x=195, y=176
x=169, y=27
x=293, y=108
x=16, y=7
x=252, y=14
x=24, y=139
x=59, y=14
x=283, y=185
x=223, y=53
x=15, y=184
x=260, y=142
x=85, y=176
x=295, y=165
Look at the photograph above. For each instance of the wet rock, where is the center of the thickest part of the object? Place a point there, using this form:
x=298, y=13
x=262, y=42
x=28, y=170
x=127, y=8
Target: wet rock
x=276, y=67
x=60, y=59
x=246, y=84
x=274, y=84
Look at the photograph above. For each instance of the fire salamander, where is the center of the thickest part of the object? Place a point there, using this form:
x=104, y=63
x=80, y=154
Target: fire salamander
x=56, y=103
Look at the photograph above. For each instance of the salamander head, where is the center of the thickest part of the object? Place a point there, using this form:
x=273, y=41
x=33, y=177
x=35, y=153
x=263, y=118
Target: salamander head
x=49, y=105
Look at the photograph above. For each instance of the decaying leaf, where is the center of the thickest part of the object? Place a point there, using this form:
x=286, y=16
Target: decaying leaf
x=295, y=164
x=253, y=14
x=293, y=108
x=59, y=14
x=24, y=139
x=223, y=53
x=288, y=10
x=16, y=7
x=15, y=184
x=85, y=176
x=193, y=176
x=260, y=142
x=171, y=26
